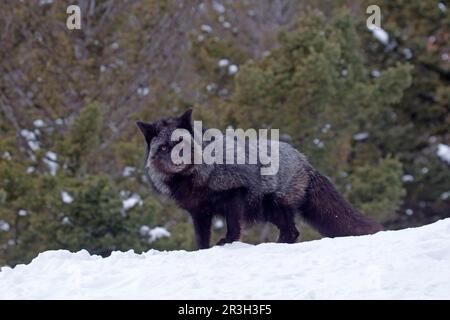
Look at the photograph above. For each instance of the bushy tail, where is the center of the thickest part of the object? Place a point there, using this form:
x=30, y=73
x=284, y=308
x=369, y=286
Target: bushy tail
x=328, y=212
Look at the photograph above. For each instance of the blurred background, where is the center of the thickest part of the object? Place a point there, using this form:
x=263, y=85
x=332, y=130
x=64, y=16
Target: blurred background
x=370, y=109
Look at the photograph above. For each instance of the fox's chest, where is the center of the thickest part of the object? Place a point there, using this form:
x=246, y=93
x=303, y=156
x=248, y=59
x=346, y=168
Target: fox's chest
x=190, y=197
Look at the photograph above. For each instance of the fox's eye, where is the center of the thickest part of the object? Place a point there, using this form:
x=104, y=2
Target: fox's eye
x=164, y=148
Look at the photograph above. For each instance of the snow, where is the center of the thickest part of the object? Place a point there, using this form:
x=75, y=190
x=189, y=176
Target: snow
x=66, y=197
x=233, y=69
x=6, y=156
x=128, y=171
x=360, y=136
x=218, y=7
x=325, y=128
x=318, y=143
x=158, y=233
x=407, y=53
x=206, y=28
x=407, y=178
x=219, y=224
x=132, y=201
x=375, y=73
x=380, y=34
x=443, y=152
x=211, y=87
x=39, y=123
x=406, y=264
x=50, y=160
x=4, y=226
x=66, y=221
x=143, y=91
x=144, y=230
x=200, y=38
x=31, y=138
x=226, y=25
x=22, y=213
x=223, y=63
x=51, y=156
x=154, y=234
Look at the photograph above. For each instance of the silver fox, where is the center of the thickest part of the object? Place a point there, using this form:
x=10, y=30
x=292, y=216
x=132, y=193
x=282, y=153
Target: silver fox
x=239, y=192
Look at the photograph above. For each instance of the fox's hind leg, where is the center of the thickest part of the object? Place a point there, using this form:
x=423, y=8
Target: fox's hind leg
x=233, y=229
x=283, y=218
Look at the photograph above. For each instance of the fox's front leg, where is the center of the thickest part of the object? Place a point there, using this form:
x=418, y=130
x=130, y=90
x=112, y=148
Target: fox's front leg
x=233, y=227
x=202, y=226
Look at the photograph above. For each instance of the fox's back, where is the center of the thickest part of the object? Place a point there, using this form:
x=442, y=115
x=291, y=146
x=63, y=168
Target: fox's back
x=287, y=182
x=290, y=182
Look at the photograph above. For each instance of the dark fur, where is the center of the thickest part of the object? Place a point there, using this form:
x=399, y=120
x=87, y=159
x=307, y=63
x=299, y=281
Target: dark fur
x=239, y=193
x=328, y=212
x=202, y=203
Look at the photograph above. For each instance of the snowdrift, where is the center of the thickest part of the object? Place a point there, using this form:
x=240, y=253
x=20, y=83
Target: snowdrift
x=411, y=263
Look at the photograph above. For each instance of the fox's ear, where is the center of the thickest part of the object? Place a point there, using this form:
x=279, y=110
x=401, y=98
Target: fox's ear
x=148, y=130
x=185, y=121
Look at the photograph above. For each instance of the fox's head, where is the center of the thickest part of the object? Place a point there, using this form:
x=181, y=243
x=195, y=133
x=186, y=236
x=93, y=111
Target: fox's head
x=158, y=136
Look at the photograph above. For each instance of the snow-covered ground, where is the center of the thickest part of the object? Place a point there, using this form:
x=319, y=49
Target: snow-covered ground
x=412, y=263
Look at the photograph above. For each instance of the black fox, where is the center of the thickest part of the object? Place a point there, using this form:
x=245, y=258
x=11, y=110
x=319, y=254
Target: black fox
x=239, y=192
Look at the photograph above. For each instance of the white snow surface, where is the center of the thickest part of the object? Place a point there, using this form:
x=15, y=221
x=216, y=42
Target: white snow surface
x=132, y=201
x=154, y=234
x=381, y=35
x=31, y=138
x=443, y=152
x=22, y=213
x=223, y=63
x=158, y=233
x=407, y=178
x=50, y=160
x=39, y=123
x=206, y=28
x=360, y=136
x=66, y=197
x=128, y=171
x=406, y=264
x=218, y=7
x=4, y=226
x=233, y=69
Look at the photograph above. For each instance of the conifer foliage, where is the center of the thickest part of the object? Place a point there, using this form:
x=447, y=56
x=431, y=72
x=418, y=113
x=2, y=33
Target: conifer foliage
x=369, y=114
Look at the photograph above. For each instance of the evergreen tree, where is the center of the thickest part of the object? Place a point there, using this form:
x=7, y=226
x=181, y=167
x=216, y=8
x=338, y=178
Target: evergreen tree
x=418, y=35
x=367, y=113
x=316, y=88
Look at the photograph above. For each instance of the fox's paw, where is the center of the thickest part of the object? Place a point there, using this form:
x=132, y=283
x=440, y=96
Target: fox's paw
x=223, y=241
